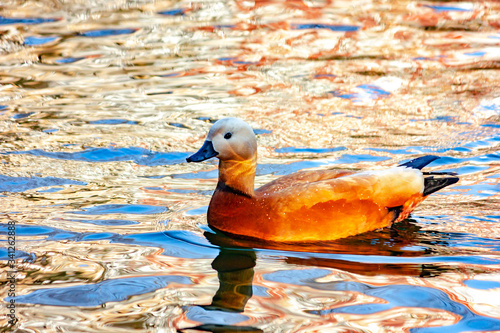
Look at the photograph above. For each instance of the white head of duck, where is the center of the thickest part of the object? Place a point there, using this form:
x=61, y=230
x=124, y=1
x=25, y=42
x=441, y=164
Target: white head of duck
x=233, y=142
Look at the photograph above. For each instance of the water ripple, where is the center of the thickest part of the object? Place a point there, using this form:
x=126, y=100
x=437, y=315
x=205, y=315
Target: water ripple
x=95, y=294
x=138, y=155
x=120, y=209
x=21, y=184
x=332, y=27
x=26, y=20
x=482, y=284
x=173, y=12
x=88, y=88
x=410, y=296
x=107, y=32
x=308, y=150
x=438, y=8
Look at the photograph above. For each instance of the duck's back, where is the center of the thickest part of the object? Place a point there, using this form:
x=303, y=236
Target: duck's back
x=301, y=177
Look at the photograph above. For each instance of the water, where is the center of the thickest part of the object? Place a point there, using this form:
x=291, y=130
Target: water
x=101, y=102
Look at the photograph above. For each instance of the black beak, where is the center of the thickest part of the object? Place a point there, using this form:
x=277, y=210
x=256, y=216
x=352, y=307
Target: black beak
x=206, y=151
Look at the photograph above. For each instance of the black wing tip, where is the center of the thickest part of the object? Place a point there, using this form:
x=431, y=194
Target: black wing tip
x=419, y=162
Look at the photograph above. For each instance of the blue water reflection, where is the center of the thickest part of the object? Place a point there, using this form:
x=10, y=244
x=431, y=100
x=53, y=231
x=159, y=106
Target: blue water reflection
x=440, y=8
x=25, y=20
x=21, y=184
x=95, y=294
x=121, y=209
x=113, y=122
x=482, y=284
x=173, y=12
x=22, y=115
x=175, y=243
x=332, y=27
x=51, y=190
x=216, y=317
x=4, y=254
x=69, y=60
x=110, y=222
x=38, y=40
x=364, y=92
x=107, y=32
x=135, y=154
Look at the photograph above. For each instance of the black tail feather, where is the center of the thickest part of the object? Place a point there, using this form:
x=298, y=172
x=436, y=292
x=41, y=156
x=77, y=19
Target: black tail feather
x=420, y=162
x=433, y=183
x=439, y=173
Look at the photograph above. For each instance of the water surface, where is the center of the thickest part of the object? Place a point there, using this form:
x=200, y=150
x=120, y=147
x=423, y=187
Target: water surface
x=102, y=101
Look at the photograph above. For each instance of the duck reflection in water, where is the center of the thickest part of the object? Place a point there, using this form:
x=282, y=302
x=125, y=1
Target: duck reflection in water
x=235, y=272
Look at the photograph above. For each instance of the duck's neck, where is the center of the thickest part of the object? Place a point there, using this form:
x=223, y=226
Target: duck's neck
x=238, y=175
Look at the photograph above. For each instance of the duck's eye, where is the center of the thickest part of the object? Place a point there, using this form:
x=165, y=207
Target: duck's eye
x=228, y=135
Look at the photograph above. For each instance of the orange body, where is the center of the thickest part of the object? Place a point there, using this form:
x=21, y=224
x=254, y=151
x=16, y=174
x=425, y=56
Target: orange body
x=312, y=206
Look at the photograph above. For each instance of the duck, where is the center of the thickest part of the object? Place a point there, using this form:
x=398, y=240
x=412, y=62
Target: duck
x=309, y=205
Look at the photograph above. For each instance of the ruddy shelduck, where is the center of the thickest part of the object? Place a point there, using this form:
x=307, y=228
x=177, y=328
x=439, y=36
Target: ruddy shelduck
x=307, y=206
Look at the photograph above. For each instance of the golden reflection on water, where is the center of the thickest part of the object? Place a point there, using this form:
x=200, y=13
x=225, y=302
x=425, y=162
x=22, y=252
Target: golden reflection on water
x=101, y=101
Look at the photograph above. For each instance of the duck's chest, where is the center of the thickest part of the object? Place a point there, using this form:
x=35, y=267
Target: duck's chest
x=230, y=211
x=226, y=204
